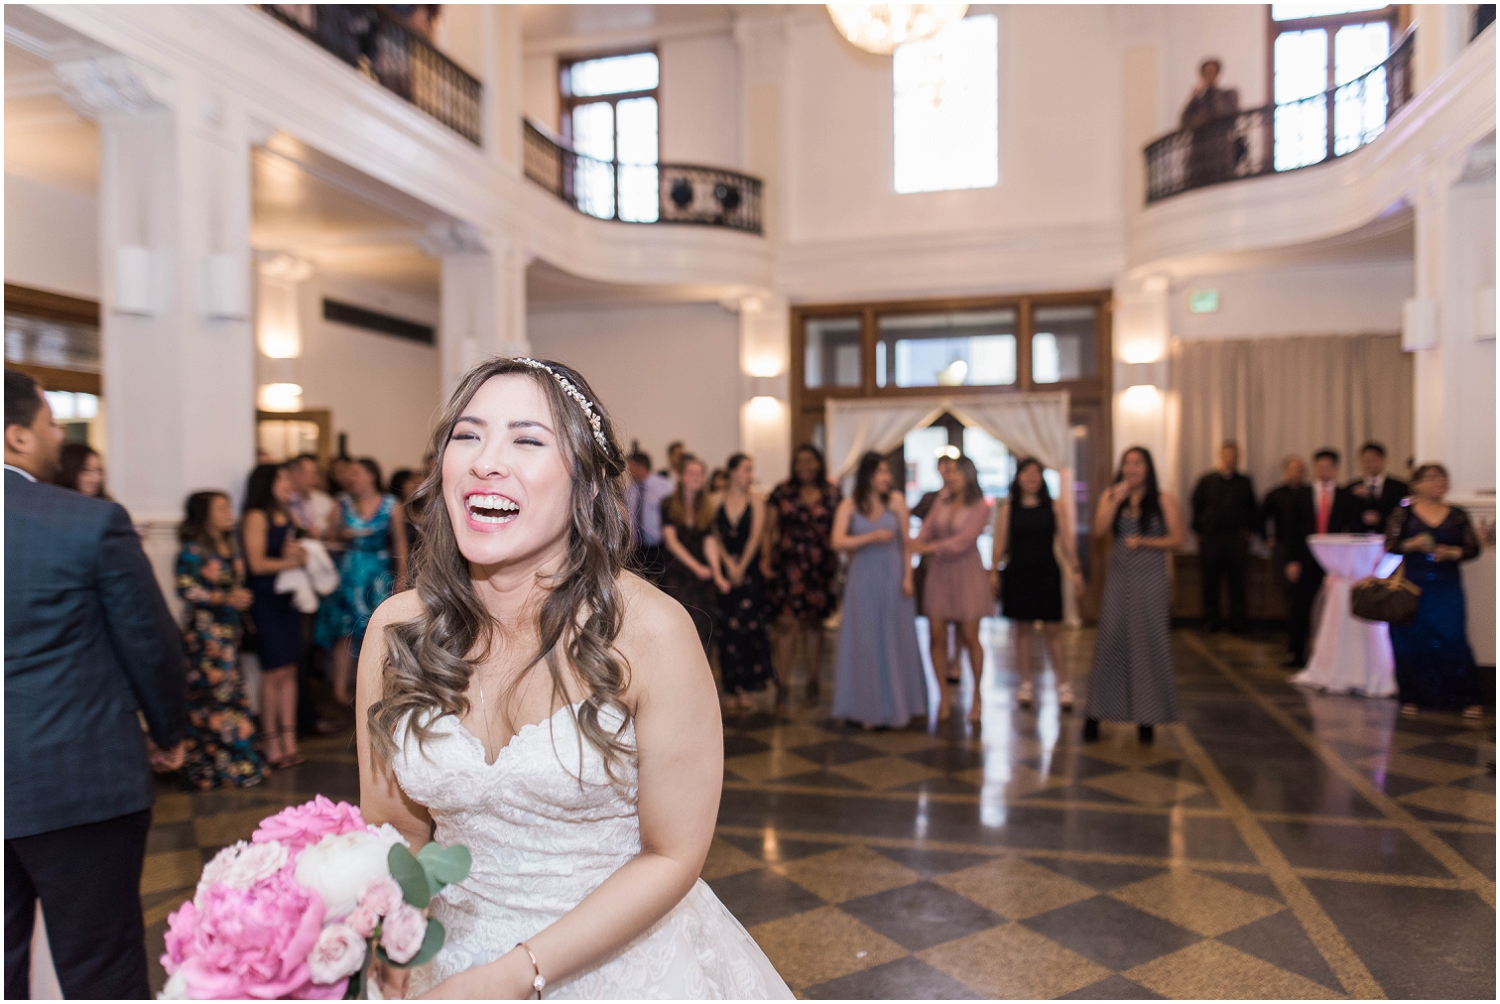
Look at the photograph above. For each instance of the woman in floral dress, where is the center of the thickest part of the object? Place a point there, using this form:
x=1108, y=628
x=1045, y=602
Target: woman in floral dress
x=218, y=749
x=801, y=566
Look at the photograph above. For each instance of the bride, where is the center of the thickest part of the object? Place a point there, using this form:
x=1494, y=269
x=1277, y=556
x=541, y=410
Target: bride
x=536, y=702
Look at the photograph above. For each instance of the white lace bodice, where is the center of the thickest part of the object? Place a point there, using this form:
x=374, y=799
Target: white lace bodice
x=546, y=828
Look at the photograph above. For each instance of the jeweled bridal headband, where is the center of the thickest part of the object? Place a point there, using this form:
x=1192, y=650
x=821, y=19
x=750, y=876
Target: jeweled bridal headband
x=577, y=395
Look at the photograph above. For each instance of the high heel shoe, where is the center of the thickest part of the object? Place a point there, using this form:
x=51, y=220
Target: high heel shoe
x=1146, y=734
x=1065, y=696
x=1091, y=730
x=293, y=759
x=1024, y=695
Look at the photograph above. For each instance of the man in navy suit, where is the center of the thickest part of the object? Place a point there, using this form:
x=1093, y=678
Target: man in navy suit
x=89, y=644
x=1377, y=494
x=1321, y=507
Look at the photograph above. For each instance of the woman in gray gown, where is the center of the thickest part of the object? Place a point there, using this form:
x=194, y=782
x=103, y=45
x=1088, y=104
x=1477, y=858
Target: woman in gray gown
x=878, y=681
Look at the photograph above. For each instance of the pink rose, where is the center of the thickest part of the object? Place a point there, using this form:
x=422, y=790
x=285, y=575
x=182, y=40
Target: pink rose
x=403, y=932
x=363, y=920
x=246, y=942
x=301, y=825
x=383, y=897
x=338, y=953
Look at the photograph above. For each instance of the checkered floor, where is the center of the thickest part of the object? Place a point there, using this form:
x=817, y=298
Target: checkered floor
x=1275, y=844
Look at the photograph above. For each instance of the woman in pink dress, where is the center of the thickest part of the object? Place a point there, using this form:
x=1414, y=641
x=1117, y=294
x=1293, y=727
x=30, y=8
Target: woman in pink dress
x=958, y=587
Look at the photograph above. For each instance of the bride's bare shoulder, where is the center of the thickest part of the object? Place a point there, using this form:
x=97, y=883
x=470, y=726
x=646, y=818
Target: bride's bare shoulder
x=654, y=625
x=401, y=607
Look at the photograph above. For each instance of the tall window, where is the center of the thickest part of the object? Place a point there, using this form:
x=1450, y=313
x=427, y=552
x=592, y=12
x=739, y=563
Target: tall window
x=609, y=115
x=1318, y=48
x=947, y=108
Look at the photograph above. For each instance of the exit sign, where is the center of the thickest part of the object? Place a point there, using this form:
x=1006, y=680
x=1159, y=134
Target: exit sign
x=1204, y=301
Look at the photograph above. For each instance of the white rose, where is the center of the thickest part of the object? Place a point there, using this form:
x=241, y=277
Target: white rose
x=176, y=988
x=339, y=952
x=390, y=835
x=340, y=868
x=241, y=865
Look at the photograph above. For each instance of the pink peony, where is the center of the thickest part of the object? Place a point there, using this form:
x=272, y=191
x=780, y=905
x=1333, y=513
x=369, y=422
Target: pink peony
x=403, y=932
x=301, y=825
x=242, y=865
x=338, y=954
x=246, y=942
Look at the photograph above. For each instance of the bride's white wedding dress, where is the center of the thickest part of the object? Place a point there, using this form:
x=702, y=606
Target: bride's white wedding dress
x=541, y=842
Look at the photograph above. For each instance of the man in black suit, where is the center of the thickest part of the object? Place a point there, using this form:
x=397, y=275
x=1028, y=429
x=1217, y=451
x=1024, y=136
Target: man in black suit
x=1322, y=507
x=1376, y=495
x=1224, y=515
x=1279, y=512
x=89, y=642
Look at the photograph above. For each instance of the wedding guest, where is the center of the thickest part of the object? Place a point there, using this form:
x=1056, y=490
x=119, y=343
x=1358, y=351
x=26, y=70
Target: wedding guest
x=1224, y=514
x=676, y=451
x=1214, y=148
x=1323, y=507
x=1280, y=512
x=269, y=540
x=1377, y=495
x=643, y=499
x=958, y=588
x=309, y=506
x=744, y=635
x=81, y=469
x=1030, y=528
x=687, y=517
x=90, y=650
x=373, y=529
x=919, y=577
x=718, y=481
x=878, y=680
x=404, y=484
x=802, y=566
x=219, y=748
x=1434, y=664
x=1131, y=679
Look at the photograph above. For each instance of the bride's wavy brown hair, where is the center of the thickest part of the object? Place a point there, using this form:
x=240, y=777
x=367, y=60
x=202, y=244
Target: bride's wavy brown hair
x=430, y=658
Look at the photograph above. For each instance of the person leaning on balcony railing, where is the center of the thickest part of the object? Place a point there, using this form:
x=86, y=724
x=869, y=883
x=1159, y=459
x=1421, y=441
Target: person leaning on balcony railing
x=1210, y=115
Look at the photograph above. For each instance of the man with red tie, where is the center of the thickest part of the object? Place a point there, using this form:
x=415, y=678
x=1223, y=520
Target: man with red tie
x=1321, y=507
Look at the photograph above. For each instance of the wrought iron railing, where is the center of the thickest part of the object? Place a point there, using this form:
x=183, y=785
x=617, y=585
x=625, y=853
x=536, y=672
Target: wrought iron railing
x=643, y=193
x=1282, y=137
x=375, y=43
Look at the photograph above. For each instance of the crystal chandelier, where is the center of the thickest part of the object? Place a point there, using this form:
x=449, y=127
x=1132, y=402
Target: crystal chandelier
x=880, y=27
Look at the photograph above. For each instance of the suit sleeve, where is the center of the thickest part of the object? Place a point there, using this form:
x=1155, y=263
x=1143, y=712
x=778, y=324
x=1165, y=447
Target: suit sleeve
x=1200, y=505
x=141, y=629
x=1252, y=511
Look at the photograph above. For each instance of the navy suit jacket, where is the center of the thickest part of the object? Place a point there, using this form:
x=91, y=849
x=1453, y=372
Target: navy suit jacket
x=89, y=641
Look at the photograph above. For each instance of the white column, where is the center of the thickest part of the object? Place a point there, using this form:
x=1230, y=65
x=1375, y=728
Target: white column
x=1143, y=411
x=483, y=299
x=174, y=232
x=765, y=412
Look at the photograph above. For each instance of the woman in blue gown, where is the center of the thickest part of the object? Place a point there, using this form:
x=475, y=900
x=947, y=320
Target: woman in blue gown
x=1434, y=664
x=879, y=680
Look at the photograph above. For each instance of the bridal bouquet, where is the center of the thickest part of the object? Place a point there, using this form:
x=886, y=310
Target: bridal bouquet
x=299, y=910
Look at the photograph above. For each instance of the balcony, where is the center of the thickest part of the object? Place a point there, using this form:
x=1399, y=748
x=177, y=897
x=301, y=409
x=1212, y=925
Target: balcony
x=1283, y=137
x=381, y=48
x=642, y=193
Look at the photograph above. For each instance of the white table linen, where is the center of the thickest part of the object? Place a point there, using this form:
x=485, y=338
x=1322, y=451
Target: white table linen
x=1350, y=655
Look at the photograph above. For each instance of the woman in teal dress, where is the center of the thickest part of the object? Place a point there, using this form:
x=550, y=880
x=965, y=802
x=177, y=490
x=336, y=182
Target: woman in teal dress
x=219, y=745
x=374, y=565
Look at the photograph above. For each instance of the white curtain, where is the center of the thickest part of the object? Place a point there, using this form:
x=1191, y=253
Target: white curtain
x=1034, y=425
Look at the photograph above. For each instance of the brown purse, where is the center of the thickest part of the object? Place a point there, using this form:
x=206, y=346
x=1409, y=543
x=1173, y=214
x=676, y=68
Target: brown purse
x=1392, y=599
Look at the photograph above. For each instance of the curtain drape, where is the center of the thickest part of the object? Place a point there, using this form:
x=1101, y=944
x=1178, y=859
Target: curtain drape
x=1279, y=396
x=1033, y=425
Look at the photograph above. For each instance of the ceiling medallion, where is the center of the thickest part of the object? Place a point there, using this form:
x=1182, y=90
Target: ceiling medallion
x=880, y=27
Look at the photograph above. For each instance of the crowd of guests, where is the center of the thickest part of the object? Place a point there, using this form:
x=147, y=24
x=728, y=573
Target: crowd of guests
x=1434, y=664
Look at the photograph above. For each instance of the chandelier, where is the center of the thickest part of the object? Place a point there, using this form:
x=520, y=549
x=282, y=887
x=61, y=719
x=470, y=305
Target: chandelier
x=880, y=27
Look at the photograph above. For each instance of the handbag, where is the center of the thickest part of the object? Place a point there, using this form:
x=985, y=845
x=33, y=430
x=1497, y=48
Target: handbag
x=1392, y=599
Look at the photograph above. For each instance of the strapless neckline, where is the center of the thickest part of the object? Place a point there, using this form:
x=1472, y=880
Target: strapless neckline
x=524, y=730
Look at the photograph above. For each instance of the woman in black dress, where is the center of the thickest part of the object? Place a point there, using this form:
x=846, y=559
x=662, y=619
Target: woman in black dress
x=744, y=636
x=687, y=517
x=1434, y=663
x=1029, y=526
x=801, y=566
x=270, y=547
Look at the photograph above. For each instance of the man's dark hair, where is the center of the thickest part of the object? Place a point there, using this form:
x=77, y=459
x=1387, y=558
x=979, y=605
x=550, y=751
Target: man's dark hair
x=1373, y=447
x=22, y=401
x=1326, y=452
x=305, y=456
x=640, y=458
x=1215, y=61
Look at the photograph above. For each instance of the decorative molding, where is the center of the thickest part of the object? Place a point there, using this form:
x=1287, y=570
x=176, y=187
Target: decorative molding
x=112, y=85
x=283, y=265
x=443, y=239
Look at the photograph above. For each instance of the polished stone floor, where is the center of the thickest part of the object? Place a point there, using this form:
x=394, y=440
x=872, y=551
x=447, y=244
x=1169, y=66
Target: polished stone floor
x=1276, y=843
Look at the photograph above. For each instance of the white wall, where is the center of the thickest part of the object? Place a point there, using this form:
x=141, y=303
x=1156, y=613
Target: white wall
x=382, y=390
x=1350, y=299
x=663, y=372
x=700, y=100
x=51, y=238
x=539, y=97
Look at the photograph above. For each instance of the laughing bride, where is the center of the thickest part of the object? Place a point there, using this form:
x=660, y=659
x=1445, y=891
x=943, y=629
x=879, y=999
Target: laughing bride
x=535, y=701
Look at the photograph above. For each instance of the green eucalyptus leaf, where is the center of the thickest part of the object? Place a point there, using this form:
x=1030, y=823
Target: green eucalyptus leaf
x=410, y=875
x=431, y=945
x=447, y=865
